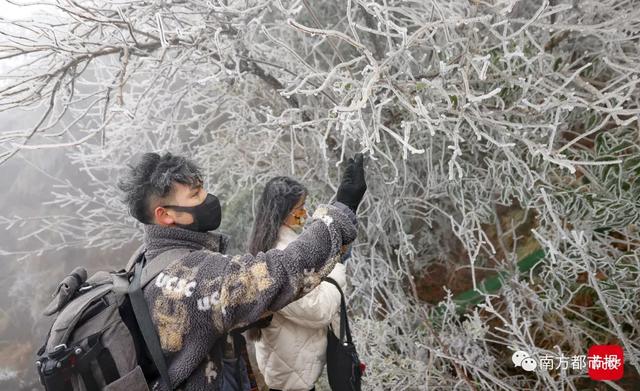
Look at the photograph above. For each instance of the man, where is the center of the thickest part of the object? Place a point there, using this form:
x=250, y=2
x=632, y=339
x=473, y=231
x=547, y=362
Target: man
x=200, y=297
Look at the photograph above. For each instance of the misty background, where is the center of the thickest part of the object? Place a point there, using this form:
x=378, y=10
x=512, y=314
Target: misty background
x=29, y=279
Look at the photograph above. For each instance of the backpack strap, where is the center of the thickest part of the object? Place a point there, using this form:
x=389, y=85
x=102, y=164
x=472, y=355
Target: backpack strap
x=141, y=311
x=155, y=266
x=345, y=331
x=96, y=353
x=142, y=274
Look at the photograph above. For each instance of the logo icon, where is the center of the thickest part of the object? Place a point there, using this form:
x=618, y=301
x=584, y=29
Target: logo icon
x=605, y=362
x=521, y=358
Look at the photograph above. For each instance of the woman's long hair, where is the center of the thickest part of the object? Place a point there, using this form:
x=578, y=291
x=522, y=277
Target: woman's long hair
x=279, y=197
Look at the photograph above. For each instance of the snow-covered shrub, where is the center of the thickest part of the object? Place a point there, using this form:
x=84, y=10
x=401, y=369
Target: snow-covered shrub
x=492, y=128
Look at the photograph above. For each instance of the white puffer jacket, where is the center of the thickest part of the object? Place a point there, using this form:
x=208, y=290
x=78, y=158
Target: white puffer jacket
x=291, y=352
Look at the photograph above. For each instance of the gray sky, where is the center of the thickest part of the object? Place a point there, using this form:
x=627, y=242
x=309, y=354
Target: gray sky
x=13, y=12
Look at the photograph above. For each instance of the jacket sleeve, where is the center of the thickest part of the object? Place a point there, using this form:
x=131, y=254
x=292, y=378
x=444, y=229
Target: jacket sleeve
x=196, y=299
x=249, y=286
x=317, y=308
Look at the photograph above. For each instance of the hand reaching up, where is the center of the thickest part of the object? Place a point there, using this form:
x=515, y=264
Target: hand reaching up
x=353, y=185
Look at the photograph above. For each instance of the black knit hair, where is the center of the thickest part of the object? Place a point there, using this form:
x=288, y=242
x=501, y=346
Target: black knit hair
x=279, y=197
x=153, y=176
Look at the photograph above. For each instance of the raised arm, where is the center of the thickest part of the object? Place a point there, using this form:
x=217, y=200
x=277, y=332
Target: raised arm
x=269, y=281
x=251, y=286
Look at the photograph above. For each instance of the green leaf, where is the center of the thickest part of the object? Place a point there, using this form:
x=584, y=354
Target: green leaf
x=556, y=64
x=621, y=147
x=600, y=143
x=592, y=121
x=632, y=164
x=454, y=100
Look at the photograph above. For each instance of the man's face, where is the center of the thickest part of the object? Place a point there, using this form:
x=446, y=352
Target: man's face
x=180, y=195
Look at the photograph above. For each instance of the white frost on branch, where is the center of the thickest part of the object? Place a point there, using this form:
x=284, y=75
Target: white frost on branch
x=492, y=128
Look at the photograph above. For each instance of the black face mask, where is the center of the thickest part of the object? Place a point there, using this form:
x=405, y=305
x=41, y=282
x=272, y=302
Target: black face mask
x=206, y=216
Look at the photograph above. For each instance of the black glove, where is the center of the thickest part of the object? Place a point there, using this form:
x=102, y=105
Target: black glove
x=353, y=185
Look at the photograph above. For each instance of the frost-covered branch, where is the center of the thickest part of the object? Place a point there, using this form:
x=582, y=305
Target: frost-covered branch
x=492, y=129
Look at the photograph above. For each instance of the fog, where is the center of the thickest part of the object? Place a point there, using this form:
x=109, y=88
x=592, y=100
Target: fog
x=28, y=278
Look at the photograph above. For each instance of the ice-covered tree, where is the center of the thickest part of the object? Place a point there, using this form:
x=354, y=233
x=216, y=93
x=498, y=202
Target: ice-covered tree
x=493, y=129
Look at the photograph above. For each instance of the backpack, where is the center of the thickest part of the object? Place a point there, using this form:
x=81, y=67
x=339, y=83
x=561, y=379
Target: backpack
x=102, y=337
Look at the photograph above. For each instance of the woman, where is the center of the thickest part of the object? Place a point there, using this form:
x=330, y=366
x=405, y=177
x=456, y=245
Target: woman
x=291, y=350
